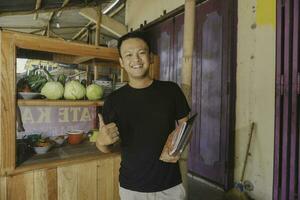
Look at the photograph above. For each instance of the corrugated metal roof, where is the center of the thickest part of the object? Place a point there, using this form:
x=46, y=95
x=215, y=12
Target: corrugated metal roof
x=66, y=25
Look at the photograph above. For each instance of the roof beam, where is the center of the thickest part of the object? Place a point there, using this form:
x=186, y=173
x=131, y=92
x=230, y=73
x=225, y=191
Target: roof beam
x=39, y=27
x=62, y=6
x=117, y=10
x=37, y=7
x=37, y=31
x=90, y=23
x=47, y=24
x=55, y=35
x=46, y=10
x=109, y=24
x=81, y=31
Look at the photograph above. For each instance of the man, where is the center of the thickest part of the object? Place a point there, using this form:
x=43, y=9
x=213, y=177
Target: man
x=140, y=116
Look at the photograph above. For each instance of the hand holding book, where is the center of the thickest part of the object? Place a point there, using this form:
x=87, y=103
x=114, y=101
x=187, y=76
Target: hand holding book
x=165, y=154
x=178, y=140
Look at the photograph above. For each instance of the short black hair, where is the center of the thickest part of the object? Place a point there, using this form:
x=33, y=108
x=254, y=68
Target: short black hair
x=136, y=34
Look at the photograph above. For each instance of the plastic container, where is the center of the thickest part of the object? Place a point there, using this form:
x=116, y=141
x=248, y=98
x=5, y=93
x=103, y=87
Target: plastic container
x=75, y=136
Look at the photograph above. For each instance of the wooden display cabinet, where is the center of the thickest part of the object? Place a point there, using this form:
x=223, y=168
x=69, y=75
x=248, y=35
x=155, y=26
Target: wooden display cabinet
x=90, y=177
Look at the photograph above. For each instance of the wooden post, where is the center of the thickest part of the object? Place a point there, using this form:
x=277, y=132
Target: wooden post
x=95, y=70
x=186, y=70
x=97, y=38
x=98, y=23
x=48, y=29
x=188, y=45
x=88, y=71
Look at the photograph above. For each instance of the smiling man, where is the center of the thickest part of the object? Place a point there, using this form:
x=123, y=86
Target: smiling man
x=140, y=116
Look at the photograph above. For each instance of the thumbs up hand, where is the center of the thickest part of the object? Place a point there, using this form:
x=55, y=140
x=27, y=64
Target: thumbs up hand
x=108, y=133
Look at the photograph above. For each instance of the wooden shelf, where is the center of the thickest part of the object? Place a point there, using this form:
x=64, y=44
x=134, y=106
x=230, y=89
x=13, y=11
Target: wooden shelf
x=65, y=155
x=47, y=102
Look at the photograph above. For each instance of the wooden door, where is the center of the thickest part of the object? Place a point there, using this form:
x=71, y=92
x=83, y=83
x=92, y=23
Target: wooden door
x=208, y=151
x=287, y=146
x=211, y=150
x=213, y=87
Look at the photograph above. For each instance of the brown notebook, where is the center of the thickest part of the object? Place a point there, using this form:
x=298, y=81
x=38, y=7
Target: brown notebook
x=178, y=140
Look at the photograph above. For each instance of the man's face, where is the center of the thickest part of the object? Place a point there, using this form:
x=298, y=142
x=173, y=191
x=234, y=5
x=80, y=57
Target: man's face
x=135, y=58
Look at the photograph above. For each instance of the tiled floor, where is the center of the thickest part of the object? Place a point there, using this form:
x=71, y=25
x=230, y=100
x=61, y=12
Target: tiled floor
x=198, y=190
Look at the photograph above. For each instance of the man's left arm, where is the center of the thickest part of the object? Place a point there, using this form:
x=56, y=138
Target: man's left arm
x=165, y=156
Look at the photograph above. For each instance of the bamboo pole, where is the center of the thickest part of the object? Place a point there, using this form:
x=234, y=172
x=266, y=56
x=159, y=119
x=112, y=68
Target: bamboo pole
x=63, y=5
x=98, y=25
x=95, y=70
x=186, y=70
x=37, y=7
x=188, y=46
x=97, y=39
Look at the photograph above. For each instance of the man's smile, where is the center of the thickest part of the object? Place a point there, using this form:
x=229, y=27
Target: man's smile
x=137, y=66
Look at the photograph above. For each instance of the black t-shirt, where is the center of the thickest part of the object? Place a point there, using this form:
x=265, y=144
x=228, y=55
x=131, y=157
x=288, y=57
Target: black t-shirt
x=145, y=117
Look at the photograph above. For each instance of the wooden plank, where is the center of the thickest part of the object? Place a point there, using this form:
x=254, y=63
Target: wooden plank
x=20, y=187
x=51, y=175
x=45, y=184
x=82, y=59
x=67, y=182
x=8, y=102
x=63, y=58
x=116, y=169
x=62, y=162
x=78, y=182
x=105, y=175
x=40, y=43
x=3, y=193
x=46, y=102
x=40, y=185
x=107, y=23
x=87, y=181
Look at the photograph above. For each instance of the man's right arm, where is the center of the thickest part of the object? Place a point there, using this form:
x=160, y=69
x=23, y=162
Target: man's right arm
x=107, y=137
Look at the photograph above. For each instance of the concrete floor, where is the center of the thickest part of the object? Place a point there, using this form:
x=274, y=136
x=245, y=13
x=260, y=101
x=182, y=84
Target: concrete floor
x=198, y=190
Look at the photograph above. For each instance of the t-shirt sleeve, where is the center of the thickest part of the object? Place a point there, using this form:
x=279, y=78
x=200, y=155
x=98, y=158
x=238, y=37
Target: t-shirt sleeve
x=108, y=111
x=181, y=105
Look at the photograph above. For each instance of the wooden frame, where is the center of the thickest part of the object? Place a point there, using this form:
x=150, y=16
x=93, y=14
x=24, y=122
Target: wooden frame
x=286, y=176
x=9, y=42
